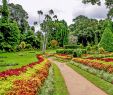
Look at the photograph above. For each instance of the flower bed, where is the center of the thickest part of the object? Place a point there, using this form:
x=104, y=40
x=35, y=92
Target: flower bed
x=25, y=80
x=97, y=55
x=102, y=59
x=63, y=56
x=23, y=69
x=94, y=64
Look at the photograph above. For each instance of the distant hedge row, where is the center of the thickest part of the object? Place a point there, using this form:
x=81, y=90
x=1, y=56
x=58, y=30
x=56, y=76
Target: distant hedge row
x=73, y=46
x=74, y=52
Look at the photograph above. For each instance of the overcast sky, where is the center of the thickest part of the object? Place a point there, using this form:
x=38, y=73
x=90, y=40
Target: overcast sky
x=65, y=9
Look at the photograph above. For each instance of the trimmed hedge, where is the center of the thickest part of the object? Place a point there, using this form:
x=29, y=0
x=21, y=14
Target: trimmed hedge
x=79, y=52
x=72, y=46
x=74, y=52
x=65, y=51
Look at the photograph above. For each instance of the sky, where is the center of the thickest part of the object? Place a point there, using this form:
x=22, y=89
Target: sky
x=64, y=9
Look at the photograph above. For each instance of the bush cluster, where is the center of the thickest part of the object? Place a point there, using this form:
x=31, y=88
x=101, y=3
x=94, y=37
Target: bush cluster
x=72, y=46
x=107, y=40
x=65, y=51
x=79, y=52
x=74, y=52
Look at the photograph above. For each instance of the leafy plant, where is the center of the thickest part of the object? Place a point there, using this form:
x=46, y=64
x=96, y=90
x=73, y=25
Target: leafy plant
x=107, y=40
x=54, y=43
x=22, y=45
x=101, y=50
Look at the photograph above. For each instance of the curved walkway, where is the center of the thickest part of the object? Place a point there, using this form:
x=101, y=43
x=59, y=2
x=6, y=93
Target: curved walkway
x=77, y=84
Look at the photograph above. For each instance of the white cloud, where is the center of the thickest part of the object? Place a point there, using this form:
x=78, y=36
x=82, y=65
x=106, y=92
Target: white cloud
x=65, y=9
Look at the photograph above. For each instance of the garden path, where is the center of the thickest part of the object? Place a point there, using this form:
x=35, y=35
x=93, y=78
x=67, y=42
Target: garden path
x=77, y=84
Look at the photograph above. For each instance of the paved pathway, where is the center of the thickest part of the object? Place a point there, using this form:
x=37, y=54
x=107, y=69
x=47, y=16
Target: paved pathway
x=77, y=84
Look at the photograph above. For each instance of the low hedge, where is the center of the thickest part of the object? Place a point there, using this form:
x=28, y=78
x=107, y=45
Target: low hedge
x=74, y=52
x=72, y=46
x=79, y=52
x=65, y=51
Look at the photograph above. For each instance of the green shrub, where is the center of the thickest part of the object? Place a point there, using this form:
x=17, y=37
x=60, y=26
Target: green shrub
x=28, y=46
x=22, y=45
x=71, y=46
x=9, y=36
x=101, y=50
x=60, y=51
x=79, y=52
x=74, y=54
x=84, y=51
x=107, y=40
x=54, y=43
x=65, y=51
x=81, y=46
x=88, y=48
x=95, y=47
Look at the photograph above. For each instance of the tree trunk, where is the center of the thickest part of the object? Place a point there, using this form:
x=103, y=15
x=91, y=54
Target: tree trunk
x=43, y=44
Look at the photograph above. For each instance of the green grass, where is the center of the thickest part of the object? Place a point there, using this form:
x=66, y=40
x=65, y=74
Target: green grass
x=48, y=86
x=54, y=84
x=51, y=51
x=21, y=58
x=60, y=86
x=104, y=85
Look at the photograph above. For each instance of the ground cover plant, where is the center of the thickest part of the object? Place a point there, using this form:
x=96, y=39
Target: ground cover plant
x=17, y=58
x=54, y=83
x=21, y=80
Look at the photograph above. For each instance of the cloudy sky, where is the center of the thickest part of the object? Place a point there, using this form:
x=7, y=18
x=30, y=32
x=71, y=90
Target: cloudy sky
x=65, y=9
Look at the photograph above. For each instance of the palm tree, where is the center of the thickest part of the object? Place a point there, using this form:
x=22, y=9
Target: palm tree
x=55, y=17
x=48, y=17
x=40, y=13
x=51, y=12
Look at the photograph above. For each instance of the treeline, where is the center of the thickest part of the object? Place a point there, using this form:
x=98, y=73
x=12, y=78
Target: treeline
x=17, y=34
x=88, y=31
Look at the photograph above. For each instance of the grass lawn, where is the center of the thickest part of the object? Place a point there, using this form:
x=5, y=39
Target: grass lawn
x=105, y=86
x=51, y=51
x=21, y=58
x=54, y=84
x=60, y=86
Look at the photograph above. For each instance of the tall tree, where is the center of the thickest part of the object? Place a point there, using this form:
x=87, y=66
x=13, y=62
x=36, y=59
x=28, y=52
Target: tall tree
x=51, y=12
x=5, y=11
x=87, y=30
x=40, y=13
x=18, y=14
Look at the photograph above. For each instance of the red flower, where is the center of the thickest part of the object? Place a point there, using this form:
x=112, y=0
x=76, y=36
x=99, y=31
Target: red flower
x=23, y=69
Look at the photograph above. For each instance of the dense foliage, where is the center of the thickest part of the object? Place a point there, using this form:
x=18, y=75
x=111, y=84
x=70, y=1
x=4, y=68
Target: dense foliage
x=55, y=30
x=14, y=28
x=88, y=31
x=107, y=39
x=9, y=36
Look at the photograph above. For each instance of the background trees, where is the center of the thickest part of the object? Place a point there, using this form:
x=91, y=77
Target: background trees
x=9, y=31
x=87, y=30
x=52, y=29
x=14, y=28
